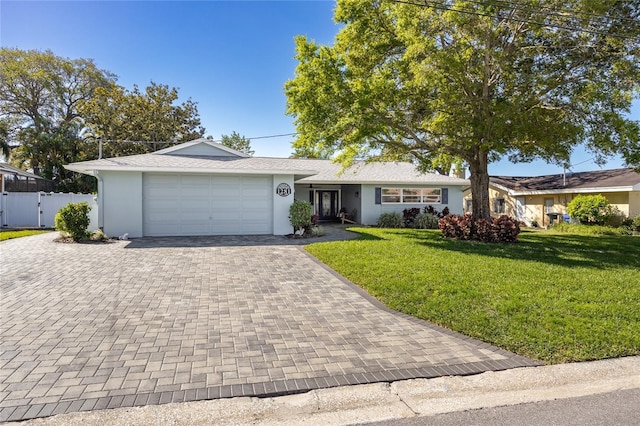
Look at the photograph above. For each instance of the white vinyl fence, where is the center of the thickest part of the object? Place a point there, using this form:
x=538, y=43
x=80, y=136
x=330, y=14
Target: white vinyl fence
x=38, y=209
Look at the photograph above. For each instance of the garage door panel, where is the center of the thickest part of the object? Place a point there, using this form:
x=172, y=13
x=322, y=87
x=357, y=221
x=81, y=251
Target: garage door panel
x=226, y=215
x=194, y=203
x=207, y=205
x=226, y=195
x=256, y=227
x=227, y=227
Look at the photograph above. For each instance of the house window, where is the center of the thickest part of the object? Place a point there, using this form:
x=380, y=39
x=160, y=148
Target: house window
x=548, y=205
x=468, y=205
x=498, y=205
x=411, y=195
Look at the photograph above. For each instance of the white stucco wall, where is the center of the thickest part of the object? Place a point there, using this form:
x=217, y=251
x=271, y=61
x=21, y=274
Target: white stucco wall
x=121, y=207
x=281, y=205
x=372, y=211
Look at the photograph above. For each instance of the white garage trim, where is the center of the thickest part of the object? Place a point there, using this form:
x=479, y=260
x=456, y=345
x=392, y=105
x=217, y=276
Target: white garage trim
x=197, y=204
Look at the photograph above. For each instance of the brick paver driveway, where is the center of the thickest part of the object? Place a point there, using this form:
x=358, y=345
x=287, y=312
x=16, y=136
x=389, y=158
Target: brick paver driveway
x=151, y=321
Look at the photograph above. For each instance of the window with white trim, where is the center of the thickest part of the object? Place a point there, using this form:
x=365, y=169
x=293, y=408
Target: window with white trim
x=411, y=195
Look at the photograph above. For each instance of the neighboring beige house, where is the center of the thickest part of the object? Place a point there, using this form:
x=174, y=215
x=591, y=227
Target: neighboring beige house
x=544, y=199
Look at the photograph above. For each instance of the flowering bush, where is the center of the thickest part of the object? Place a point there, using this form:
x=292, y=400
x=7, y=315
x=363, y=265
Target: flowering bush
x=484, y=231
x=409, y=216
x=503, y=229
x=456, y=227
x=433, y=211
x=506, y=229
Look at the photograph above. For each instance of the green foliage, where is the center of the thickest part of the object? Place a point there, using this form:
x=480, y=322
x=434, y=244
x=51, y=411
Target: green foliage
x=503, y=229
x=39, y=97
x=317, y=231
x=552, y=297
x=408, y=78
x=300, y=215
x=237, y=142
x=579, y=229
x=590, y=209
x=409, y=216
x=426, y=221
x=54, y=109
x=98, y=235
x=138, y=121
x=390, y=220
x=73, y=220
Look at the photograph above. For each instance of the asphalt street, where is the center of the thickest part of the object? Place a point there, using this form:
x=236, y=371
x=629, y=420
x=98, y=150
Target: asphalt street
x=612, y=408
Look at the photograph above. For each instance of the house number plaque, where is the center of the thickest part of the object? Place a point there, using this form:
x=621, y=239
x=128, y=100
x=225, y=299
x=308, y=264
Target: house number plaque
x=283, y=190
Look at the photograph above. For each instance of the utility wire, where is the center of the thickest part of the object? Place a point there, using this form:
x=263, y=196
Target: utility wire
x=443, y=7
x=209, y=140
x=548, y=10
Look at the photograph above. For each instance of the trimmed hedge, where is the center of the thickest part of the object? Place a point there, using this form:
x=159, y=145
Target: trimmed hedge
x=73, y=220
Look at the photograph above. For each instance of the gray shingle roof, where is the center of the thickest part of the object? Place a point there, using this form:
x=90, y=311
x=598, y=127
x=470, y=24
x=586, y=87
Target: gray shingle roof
x=305, y=170
x=8, y=169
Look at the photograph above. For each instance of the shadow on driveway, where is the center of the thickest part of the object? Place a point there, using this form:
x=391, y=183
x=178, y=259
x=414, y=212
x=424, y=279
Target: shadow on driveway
x=333, y=232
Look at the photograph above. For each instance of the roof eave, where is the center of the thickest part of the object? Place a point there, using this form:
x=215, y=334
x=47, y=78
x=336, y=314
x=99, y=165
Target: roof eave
x=311, y=180
x=575, y=190
x=89, y=170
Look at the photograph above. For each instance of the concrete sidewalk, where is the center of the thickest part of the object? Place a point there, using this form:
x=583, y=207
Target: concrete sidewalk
x=381, y=401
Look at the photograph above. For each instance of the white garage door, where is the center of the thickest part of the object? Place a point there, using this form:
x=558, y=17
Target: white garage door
x=176, y=204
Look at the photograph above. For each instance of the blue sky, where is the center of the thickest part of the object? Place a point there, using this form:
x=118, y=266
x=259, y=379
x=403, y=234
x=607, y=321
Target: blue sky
x=232, y=57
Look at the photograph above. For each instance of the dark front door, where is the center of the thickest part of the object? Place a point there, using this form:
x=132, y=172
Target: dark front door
x=327, y=205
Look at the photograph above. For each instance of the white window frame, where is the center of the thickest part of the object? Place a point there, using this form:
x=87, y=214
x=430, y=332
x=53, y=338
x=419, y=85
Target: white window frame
x=426, y=195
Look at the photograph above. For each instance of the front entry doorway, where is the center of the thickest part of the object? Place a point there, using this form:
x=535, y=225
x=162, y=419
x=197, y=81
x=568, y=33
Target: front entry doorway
x=327, y=205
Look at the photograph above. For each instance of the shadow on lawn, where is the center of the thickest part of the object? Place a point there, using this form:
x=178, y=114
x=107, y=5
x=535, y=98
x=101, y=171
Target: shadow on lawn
x=600, y=252
x=571, y=250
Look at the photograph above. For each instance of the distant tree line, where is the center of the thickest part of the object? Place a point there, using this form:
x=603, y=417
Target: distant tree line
x=54, y=111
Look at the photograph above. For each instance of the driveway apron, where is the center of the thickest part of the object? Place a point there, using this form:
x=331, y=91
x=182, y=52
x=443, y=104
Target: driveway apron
x=152, y=321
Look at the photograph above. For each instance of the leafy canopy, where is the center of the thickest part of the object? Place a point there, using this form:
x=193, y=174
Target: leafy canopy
x=40, y=125
x=237, y=142
x=471, y=81
x=138, y=121
x=53, y=110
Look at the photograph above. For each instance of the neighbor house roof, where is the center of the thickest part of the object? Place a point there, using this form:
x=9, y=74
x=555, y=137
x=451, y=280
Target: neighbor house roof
x=8, y=169
x=304, y=170
x=595, y=181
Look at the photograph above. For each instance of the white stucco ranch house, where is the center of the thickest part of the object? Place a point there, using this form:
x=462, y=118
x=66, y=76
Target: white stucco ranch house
x=203, y=188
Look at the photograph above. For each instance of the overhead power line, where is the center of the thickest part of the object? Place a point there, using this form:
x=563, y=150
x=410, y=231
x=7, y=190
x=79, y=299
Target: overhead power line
x=549, y=11
x=210, y=140
x=543, y=12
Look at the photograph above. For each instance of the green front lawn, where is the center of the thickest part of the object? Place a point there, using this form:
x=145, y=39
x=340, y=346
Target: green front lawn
x=7, y=235
x=552, y=297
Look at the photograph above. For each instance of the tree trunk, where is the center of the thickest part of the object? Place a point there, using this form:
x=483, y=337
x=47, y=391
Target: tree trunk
x=478, y=166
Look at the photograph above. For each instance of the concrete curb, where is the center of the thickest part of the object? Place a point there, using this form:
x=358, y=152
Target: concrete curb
x=381, y=401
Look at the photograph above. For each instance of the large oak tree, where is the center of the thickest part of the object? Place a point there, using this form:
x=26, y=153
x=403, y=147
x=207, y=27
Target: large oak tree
x=138, y=121
x=471, y=80
x=56, y=110
x=39, y=97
